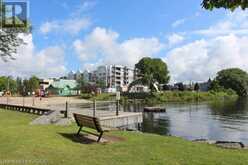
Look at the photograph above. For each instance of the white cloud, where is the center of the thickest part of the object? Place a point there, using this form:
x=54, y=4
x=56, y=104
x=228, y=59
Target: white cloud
x=221, y=45
x=47, y=27
x=102, y=45
x=174, y=39
x=201, y=59
x=234, y=22
x=48, y=62
x=72, y=26
x=178, y=23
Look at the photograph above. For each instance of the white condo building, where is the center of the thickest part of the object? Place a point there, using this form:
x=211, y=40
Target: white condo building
x=115, y=76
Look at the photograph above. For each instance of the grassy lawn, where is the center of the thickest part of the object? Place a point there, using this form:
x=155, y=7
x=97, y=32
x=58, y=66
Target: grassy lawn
x=21, y=141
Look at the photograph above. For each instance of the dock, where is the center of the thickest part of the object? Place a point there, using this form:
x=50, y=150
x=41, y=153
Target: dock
x=154, y=109
x=52, y=114
x=109, y=118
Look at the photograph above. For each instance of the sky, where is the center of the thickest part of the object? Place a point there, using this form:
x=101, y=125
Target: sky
x=83, y=34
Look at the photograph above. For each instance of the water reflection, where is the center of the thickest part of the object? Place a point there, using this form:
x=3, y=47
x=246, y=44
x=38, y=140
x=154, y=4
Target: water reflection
x=156, y=123
x=223, y=120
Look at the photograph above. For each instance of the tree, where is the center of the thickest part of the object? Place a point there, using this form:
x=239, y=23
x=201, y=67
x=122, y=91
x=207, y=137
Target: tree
x=19, y=85
x=7, y=83
x=227, y=4
x=180, y=86
x=34, y=84
x=151, y=72
x=30, y=85
x=233, y=78
x=100, y=84
x=196, y=87
x=80, y=83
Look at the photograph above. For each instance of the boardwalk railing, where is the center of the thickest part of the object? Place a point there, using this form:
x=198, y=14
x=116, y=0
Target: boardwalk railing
x=94, y=107
x=33, y=110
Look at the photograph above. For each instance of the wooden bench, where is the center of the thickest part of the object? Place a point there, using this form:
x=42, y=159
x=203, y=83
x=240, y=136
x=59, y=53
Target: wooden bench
x=90, y=122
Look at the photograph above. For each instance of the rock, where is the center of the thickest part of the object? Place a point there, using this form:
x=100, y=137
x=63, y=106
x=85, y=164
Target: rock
x=230, y=144
x=204, y=141
x=49, y=118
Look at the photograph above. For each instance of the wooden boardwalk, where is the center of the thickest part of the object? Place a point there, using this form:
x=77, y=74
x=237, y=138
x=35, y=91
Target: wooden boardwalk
x=51, y=112
x=109, y=118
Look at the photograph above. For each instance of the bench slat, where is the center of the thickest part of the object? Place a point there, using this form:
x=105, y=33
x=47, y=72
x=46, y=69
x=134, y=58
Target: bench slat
x=87, y=121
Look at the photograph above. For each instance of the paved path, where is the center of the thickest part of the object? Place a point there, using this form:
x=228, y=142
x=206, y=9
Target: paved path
x=41, y=103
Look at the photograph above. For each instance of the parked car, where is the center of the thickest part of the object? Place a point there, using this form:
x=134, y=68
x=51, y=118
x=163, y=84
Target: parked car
x=1, y=94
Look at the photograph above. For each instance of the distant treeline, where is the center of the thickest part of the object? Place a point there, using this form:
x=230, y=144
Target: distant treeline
x=19, y=86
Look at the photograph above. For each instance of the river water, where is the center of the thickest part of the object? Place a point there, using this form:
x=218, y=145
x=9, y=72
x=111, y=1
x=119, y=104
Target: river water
x=224, y=120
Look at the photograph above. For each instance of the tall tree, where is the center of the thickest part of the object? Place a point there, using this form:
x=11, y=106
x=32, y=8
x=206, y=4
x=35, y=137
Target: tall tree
x=233, y=78
x=150, y=72
x=80, y=83
x=196, y=87
x=34, y=84
x=227, y=4
x=19, y=85
x=7, y=83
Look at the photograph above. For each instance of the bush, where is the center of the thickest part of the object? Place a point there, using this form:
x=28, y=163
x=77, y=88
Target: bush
x=184, y=96
x=87, y=95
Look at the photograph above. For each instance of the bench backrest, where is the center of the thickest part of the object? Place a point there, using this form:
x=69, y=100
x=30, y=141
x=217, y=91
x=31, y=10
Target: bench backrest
x=88, y=121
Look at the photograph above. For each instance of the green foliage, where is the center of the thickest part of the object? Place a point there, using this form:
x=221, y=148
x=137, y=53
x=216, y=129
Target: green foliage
x=227, y=4
x=19, y=84
x=188, y=96
x=151, y=71
x=8, y=83
x=180, y=96
x=196, y=87
x=154, y=68
x=99, y=97
x=100, y=84
x=27, y=85
x=86, y=96
x=33, y=84
x=81, y=83
x=139, y=95
x=233, y=78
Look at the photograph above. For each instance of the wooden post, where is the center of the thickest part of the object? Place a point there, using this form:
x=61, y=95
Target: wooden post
x=94, y=108
x=118, y=97
x=23, y=101
x=66, y=109
x=33, y=101
x=117, y=107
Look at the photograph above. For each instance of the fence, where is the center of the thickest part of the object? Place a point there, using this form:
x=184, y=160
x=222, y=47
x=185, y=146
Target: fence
x=94, y=108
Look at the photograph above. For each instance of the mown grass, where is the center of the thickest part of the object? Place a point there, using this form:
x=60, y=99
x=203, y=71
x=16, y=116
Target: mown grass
x=21, y=141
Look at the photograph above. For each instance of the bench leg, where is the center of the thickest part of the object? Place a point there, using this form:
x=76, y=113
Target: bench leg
x=99, y=137
x=79, y=130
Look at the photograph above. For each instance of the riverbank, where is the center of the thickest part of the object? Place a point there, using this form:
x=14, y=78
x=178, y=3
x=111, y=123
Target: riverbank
x=163, y=97
x=57, y=145
x=187, y=96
